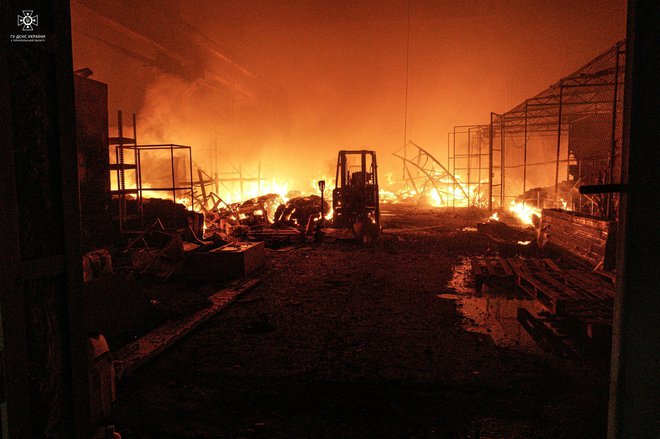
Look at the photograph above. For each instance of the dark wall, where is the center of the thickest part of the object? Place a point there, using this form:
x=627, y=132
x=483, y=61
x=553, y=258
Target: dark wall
x=43, y=348
x=93, y=165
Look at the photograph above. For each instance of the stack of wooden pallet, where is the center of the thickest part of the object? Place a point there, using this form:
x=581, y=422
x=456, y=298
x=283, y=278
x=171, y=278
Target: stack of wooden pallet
x=583, y=238
x=572, y=293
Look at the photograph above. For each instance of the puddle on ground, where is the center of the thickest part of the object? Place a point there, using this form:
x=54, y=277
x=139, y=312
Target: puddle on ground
x=461, y=280
x=492, y=311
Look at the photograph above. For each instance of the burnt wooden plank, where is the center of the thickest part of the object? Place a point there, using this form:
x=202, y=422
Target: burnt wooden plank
x=142, y=350
x=550, y=263
x=505, y=266
x=587, y=239
x=489, y=267
x=559, y=286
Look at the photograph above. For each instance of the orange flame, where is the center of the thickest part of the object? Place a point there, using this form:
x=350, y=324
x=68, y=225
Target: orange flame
x=524, y=212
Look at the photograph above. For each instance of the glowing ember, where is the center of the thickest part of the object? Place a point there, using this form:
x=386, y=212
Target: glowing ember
x=524, y=242
x=494, y=217
x=386, y=196
x=524, y=212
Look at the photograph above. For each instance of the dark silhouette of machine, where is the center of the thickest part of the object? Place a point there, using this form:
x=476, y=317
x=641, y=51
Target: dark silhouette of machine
x=355, y=197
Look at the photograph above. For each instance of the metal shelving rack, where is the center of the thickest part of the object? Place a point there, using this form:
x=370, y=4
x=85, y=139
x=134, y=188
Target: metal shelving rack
x=129, y=215
x=128, y=174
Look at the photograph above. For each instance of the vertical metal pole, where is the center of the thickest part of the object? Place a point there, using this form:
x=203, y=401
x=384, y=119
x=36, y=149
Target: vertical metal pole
x=469, y=164
x=568, y=175
x=490, y=164
x=453, y=184
x=363, y=162
x=635, y=383
x=192, y=187
x=479, y=143
x=561, y=93
x=121, y=199
x=613, y=148
x=173, y=178
x=405, y=116
x=525, y=159
x=502, y=161
x=138, y=185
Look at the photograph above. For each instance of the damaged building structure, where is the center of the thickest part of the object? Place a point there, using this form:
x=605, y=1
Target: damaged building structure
x=518, y=267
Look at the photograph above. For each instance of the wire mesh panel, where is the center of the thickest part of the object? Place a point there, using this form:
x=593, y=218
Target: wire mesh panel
x=567, y=136
x=496, y=162
x=165, y=171
x=469, y=161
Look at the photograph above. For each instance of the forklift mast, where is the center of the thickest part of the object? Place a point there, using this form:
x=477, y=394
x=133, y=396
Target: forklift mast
x=355, y=196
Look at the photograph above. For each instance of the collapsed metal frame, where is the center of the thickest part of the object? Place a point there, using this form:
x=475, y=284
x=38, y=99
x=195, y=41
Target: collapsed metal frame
x=594, y=90
x=424, y=173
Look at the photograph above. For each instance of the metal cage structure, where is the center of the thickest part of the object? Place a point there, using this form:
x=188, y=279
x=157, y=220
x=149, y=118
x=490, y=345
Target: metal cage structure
x=468, y=161
x=157, y=171
x=541, y=151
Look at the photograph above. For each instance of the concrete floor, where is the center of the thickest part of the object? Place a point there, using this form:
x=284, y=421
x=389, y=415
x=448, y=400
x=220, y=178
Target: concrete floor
x=346, y=341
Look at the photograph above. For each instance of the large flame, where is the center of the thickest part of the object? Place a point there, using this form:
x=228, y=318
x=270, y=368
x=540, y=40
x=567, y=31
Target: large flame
x=524, y=211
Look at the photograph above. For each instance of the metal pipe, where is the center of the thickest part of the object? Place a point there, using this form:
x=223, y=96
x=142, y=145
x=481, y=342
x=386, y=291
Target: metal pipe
x=525, y=158
x=469, y=164
x=502, y=161
x=490, y=164
x=453, y=172
x=613, y=148
x=561, y=92
x=173, y=178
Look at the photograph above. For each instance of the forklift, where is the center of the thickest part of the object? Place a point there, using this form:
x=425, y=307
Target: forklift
x=355, y=197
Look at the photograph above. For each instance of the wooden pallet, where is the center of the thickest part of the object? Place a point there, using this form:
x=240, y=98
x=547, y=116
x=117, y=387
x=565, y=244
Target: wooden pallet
x=569, y=293
x=583, y=238
x=545, y=332
x=490, y=269
x=533, y=277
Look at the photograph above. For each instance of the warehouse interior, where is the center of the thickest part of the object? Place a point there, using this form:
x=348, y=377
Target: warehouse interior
x=327, y=219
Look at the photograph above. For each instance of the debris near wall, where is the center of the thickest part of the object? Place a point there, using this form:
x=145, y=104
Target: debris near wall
x=172, y=216
x=96, y=263
x=582, y=238
x=260, y=210
x=508, y=239
x=267, y=218
x=298, y=211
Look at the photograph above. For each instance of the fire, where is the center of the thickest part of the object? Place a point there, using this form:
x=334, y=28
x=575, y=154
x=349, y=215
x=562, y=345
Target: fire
x=386, y=196
x=524, y=212
x=328, y=216
x=494, y=217
x=253, y=189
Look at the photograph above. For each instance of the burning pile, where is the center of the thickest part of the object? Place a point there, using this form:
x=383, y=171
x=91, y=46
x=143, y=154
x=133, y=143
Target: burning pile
x=269, y=212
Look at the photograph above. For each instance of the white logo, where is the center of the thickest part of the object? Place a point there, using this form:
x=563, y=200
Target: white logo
x=28, y=20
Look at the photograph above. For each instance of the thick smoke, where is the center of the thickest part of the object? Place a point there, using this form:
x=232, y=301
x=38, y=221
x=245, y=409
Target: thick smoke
x=329, y=75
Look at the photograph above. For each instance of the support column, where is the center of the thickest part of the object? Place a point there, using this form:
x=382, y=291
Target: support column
x=634, y=410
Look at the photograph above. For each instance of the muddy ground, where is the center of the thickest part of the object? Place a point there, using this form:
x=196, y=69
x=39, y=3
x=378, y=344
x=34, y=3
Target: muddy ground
x=346, y=341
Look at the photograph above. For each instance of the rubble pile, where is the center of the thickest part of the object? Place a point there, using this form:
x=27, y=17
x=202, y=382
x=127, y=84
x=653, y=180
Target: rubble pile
x=264, y=217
